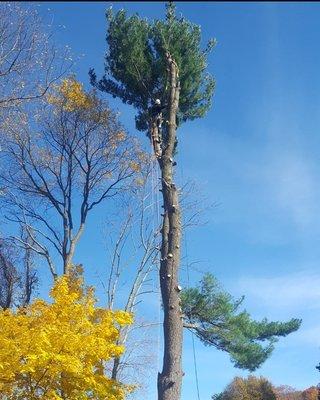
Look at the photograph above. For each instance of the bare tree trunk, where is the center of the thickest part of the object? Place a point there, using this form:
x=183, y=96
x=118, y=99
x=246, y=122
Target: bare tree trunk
x=67, y=261
x=30, y=275
x=170, y=379
x=68, y=254
x=115, y=368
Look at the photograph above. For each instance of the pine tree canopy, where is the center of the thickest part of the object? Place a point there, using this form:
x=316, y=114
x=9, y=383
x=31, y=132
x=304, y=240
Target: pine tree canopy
x=215, y=318
x=135, y=64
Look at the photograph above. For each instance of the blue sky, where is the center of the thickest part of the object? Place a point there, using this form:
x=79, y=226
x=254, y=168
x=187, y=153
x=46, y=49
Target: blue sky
x=255, y=156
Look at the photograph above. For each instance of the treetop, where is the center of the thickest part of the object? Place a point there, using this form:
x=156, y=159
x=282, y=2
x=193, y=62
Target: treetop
x=135, y=63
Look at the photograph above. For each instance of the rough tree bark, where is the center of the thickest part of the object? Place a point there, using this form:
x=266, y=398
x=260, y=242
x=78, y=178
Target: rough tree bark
x=170, y=379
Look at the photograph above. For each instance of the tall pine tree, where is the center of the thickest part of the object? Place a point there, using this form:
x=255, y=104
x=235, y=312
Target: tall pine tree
x=159, y=67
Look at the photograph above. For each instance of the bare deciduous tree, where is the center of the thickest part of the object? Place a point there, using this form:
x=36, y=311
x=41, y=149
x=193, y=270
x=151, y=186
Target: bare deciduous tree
x=18, y=278
x=8, y=275
x=61, y=165
x=29, y=61
x=133, y=250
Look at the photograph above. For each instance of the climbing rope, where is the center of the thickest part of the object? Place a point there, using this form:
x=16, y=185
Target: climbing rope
x=192, y=334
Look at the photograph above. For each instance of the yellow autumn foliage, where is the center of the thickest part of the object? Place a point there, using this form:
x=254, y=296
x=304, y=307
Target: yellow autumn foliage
x=70, y=95
x=135, y=166
x=58, y=350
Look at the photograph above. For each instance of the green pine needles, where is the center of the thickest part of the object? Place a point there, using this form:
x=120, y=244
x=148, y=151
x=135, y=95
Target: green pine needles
x=135, y=64
x=215, y=318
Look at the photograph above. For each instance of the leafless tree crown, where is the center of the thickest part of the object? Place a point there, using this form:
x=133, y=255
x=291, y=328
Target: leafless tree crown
x=58, y=166
x=29, y=61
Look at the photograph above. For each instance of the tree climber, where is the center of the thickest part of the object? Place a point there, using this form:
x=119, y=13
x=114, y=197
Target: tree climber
x=156, y=123
x=156, y=112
